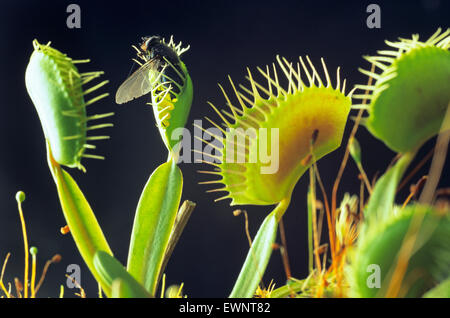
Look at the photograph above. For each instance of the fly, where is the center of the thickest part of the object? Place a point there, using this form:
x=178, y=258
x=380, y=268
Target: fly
x=156, y=55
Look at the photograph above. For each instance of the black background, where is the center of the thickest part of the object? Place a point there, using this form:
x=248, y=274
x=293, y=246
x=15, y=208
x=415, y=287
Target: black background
x=225, y=38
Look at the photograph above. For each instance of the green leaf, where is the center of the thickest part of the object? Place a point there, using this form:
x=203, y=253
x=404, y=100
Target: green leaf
x=80, y=218
x=383, y=195
x=122, y=284
x=153, y=223
x=257, y=259
x=440, y=291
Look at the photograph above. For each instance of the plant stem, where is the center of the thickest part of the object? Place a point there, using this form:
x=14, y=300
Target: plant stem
x=25, y=244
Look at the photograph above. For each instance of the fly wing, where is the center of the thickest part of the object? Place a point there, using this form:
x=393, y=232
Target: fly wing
x=139, y=83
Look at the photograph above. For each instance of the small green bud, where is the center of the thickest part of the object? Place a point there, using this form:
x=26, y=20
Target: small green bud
x=33, y=250
x=20, y=196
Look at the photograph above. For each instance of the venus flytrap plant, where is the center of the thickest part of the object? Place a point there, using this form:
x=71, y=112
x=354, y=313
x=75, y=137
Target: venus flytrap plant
x=55, y=86
x=296, y=114
x=409, y=103
x=155, y=230
x=56, y=89
x=172, y=97
x=269, y=139
x=309, y=120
